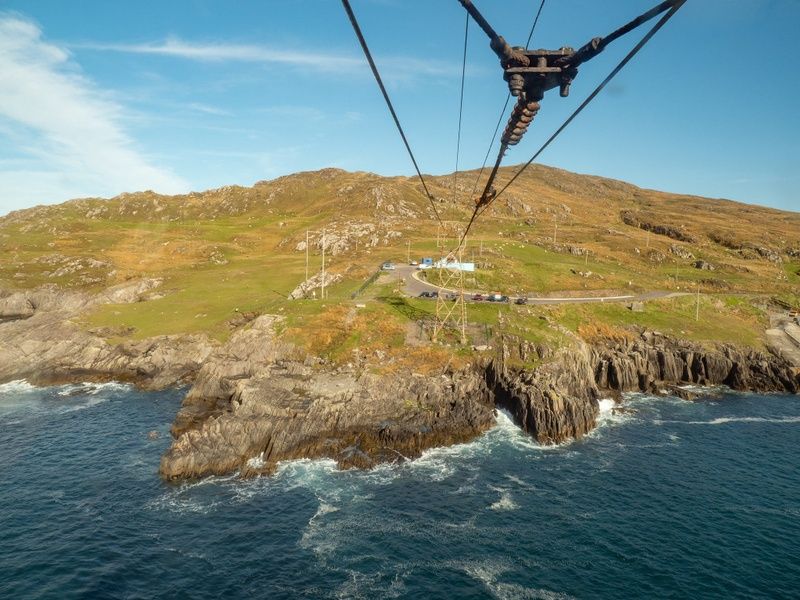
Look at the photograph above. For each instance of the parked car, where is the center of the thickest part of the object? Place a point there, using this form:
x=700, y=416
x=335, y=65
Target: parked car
x=521, y=300
x=503, y=299
x=414, y=263
x=429, y=295
x=451, y=296
x=477, y=297
x=387, y=266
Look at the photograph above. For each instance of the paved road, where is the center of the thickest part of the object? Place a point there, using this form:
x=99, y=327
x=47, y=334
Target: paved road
x=413, y=286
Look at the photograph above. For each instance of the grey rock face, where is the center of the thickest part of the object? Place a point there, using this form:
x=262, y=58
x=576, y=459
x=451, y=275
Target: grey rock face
x=45, y=347
x=654, y=360
x=255, y=404
x=554, y=402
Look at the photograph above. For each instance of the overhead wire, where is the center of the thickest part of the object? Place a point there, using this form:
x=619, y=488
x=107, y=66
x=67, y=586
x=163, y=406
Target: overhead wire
x=354, y=22
x=647, y=37
x=461, y=106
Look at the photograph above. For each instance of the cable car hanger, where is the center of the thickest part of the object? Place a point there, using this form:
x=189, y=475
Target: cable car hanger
x=531, y=73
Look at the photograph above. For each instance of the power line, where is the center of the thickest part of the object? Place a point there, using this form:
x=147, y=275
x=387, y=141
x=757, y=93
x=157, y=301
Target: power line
x=461, y=104
x=363, y=42
x=535, y=21
x=648, y=36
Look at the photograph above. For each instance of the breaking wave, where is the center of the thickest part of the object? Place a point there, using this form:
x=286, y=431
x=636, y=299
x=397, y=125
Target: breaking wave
x=724, y=420
x=19, y=386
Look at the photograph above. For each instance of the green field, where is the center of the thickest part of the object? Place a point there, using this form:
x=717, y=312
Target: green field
x=235, y=251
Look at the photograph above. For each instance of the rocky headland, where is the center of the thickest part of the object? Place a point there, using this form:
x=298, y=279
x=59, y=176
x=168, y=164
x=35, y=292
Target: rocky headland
x=258, y=399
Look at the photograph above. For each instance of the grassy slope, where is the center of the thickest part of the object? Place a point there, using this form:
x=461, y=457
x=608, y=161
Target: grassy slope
x=234, y=248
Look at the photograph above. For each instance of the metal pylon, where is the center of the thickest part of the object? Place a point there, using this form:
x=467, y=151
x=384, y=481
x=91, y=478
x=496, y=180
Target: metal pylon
x=451, y=314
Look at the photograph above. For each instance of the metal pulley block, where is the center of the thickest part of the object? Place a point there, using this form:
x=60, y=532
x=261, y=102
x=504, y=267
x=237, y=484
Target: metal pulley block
x=546, y=69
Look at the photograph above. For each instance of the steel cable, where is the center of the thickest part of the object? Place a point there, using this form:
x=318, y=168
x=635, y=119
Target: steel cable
x=461, y=105
x=363, y=42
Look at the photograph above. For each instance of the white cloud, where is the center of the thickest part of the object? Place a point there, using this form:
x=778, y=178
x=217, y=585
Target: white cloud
x=405, y=67
x=209, y=110
x=69, y=128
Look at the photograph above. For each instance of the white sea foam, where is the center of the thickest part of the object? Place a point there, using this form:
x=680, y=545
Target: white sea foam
x=313, y=537
x=257, y=462
x=488, y=574
x=91, y=389
x=506, y=502
x=519, y=482
x=724, y=420
x=182, y=499
x=16, y=387
x=88, y=404
x=305, y=472
x=606, y=404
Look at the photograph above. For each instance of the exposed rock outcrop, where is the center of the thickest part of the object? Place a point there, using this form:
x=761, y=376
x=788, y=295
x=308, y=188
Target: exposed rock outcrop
x=556, y=401
x=652, y=361
x=676, y=233
x=306, y=288
x=40, y=343
x=254, y=405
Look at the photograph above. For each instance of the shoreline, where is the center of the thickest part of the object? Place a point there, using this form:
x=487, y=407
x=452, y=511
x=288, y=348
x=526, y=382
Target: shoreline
x=256, y=400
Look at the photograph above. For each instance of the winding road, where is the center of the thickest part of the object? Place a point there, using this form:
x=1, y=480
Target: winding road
x=414, y=286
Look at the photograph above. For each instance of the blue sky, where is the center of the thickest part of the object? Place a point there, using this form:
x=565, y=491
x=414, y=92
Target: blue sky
x=98, y=98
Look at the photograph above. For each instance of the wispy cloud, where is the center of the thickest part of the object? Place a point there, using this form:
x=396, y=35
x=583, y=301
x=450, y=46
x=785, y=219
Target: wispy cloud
x=209, y=110
x=401, y=66
x=65, y=123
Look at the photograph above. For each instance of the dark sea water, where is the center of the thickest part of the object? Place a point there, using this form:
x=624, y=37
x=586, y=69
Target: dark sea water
x=670, y=500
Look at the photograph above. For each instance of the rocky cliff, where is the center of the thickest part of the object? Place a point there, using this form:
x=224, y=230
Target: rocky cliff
x=255, y=404
x=554, y=401
x=653, y=361
x=40, y=342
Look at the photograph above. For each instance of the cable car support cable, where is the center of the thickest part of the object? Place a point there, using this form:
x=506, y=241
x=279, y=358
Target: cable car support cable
x=461, y=104
x=363, y=42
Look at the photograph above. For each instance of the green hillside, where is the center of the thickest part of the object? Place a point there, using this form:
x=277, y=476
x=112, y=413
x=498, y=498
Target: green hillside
x=233, y=251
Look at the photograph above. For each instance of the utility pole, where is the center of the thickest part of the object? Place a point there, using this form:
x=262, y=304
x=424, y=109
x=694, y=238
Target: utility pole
x=438, y=231
x=555, y=230
x=697, y=306
x=408, y=251
x=323, y=265
x=586, y=262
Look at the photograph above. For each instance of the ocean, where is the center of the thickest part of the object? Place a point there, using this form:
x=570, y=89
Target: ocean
x=665, y=499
